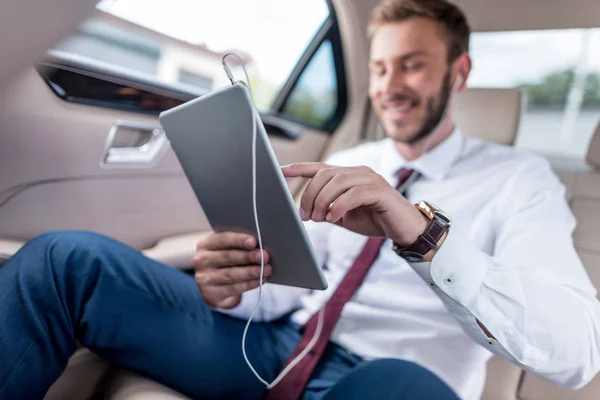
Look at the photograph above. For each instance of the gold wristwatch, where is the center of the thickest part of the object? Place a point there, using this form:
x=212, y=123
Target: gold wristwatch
x=439, y=224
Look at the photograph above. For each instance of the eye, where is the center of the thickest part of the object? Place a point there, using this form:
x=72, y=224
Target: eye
x=378, y=70
x=413, y=66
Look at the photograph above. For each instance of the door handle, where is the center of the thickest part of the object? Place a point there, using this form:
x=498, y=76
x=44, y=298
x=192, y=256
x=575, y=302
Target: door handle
x=146, y=155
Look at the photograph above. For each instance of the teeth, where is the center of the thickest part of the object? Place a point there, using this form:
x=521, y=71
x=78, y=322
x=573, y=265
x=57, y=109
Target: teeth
x=403, y=108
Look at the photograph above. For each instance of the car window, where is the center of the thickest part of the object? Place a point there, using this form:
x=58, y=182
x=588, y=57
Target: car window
x=183, y=41
x=314, y=99
x=559, y=71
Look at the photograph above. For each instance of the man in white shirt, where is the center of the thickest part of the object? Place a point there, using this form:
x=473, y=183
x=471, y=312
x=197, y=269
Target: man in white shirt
x=506, y=280
x=430, y=289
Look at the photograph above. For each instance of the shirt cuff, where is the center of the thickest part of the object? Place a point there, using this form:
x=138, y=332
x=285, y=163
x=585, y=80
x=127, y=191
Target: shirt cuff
x=456, y=274
x=458, y=268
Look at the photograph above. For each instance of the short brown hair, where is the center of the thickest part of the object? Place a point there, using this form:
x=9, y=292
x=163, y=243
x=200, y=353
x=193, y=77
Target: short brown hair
x=452, y=21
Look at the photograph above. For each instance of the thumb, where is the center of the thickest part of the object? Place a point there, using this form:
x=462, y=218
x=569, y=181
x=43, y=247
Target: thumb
x=230, y=302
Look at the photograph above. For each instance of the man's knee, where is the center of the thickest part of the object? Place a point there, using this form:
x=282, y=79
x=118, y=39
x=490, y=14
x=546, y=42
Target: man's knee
x=393, y=379
x=394, y=368
x=66, y=241
x=58, y=250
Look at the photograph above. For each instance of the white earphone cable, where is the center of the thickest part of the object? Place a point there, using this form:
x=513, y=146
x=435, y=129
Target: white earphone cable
x=321, y=315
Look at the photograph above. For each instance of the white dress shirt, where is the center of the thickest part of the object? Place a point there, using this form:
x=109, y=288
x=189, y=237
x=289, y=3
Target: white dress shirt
x=508, y=261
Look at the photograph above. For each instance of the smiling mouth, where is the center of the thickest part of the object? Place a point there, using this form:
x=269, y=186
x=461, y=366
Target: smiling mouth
x=398, y=110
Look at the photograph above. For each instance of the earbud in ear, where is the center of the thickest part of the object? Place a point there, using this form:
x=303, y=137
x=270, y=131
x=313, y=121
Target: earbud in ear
x=457, y=82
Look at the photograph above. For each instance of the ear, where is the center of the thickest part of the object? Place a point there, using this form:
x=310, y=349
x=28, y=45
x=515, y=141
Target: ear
x=462, y=66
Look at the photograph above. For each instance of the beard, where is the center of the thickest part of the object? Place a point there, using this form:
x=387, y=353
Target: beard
x=434, y=112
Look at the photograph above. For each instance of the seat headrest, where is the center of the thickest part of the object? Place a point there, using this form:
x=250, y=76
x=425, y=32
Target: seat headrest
x=593, y=154
x=490, y=114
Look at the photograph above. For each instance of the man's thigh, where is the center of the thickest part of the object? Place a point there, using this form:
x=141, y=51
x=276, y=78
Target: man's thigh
x=126, y=384
x=159, y=325
x=206, y=361
x=131, y=311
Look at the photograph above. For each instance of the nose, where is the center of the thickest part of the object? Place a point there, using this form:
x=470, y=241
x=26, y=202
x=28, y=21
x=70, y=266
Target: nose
x=392, y=82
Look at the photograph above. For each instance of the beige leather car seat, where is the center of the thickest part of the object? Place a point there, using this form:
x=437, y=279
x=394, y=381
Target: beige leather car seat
x=491, y=114
x=82, y=378
x=583, y=184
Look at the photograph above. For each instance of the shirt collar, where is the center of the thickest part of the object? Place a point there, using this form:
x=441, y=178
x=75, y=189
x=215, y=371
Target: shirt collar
x=434, y=165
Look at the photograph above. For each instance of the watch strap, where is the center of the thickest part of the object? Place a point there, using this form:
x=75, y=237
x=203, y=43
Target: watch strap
x=427, y=241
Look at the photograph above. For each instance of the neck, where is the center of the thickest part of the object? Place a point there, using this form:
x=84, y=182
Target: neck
x=412, y=151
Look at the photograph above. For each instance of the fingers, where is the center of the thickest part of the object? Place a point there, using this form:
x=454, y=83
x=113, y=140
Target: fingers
x=230, y=302
x=350, y=200
x=227, y=241
x=303, y=170
x=327, y=185
x=314, y=187
x=337, y=186
x=228, y=258
x=214, y=295
x=227, y=265
x=221, y=287
x=231, y=276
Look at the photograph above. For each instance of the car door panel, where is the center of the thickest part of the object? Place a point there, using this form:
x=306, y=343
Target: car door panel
x=51, y=151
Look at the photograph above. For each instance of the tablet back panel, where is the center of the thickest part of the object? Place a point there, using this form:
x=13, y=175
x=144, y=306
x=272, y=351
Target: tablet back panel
x=212, y=138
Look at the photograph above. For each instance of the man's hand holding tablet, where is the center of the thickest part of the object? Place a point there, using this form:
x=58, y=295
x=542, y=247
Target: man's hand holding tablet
x=356, y=198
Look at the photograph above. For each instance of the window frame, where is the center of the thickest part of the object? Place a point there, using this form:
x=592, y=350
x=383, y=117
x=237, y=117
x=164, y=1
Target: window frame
x=329, y=31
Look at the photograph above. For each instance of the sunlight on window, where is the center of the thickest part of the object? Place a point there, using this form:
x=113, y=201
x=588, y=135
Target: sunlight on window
x=314, y=99
x=271, y=35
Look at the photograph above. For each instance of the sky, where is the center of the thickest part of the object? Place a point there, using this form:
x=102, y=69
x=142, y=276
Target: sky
x=276, y=32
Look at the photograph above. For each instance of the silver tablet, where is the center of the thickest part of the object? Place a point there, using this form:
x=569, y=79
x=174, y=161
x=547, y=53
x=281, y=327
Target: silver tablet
x=212, y=138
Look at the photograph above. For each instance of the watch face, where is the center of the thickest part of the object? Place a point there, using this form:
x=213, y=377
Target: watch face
x=413, y=258
x=407, y=255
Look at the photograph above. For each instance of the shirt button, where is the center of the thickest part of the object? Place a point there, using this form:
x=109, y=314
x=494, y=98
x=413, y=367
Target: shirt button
x=449, y=280
x=432, y=284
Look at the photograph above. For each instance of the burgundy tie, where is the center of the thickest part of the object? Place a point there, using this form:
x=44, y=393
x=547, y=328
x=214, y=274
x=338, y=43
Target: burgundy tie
x=293, y=384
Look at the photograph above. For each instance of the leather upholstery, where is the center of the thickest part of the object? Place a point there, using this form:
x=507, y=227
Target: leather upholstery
x=535, y=388
x=491, y=114
x=127, y=385
x=503, y=379
x=593, y=154
x=82, y=378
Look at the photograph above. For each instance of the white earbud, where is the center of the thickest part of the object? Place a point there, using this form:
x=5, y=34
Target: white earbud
x=457, y=82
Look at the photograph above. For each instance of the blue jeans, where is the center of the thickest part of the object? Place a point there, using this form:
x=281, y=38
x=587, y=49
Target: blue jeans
x=64, y=288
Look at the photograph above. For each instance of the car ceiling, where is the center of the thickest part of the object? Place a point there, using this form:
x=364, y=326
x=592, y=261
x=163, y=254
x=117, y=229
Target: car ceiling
x=512, y=15
x=29, y=27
